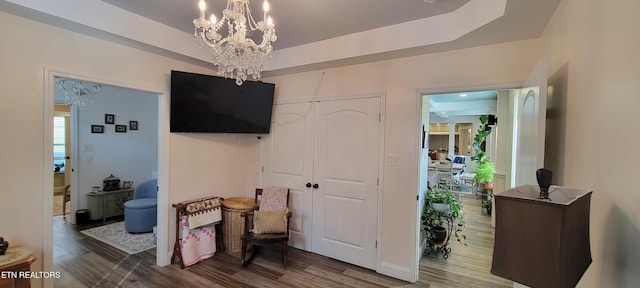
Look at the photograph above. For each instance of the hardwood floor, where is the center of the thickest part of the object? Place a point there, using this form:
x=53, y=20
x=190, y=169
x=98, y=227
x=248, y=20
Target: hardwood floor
x=86, y=262
x=57, y=205
x=467, y=266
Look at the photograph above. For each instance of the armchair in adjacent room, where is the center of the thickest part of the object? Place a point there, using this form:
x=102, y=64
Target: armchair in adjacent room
x=140, y=213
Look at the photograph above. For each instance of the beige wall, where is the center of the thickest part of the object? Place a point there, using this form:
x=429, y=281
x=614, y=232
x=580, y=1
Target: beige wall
x=401, y=80
x=599, y=43
x=204, y=164
x=200, y=164
x=595, y=39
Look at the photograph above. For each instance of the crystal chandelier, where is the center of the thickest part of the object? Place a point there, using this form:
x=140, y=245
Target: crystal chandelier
x=76, y=93
x=235, y=55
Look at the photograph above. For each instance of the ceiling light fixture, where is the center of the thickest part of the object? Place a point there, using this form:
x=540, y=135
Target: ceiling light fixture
x=236, y=55
x=463, y=94
x=76, y=93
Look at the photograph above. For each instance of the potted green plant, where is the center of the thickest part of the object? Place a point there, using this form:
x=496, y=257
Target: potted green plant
x=433, y=220
x=484, y=173
x=440, y=202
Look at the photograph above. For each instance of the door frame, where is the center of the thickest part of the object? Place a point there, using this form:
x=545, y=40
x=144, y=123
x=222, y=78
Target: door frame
x=68, y=144
x=49, y=74
x=415, y=265
x=537, y=80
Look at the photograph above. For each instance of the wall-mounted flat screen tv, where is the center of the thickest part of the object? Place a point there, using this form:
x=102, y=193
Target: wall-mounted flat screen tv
x=212, y=104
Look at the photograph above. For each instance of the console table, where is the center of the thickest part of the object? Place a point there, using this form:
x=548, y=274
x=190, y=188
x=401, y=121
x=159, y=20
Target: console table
x=16, y=260
x=105, y=204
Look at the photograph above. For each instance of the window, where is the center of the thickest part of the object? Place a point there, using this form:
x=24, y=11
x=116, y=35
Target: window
x=59, y=143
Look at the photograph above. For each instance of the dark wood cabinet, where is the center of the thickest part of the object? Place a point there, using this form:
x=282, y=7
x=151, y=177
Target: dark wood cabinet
x=542, y=242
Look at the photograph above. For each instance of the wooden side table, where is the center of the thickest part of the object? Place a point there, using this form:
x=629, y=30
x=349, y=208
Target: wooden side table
x=15, y=261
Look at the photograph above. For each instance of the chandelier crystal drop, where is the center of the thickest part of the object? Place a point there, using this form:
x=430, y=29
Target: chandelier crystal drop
x=76, y=93
x=236, y=56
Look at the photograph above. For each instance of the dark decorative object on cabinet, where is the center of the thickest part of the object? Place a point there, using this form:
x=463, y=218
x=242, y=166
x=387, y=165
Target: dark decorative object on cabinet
x=3, y=246
x=111, y=183
x=544, y=177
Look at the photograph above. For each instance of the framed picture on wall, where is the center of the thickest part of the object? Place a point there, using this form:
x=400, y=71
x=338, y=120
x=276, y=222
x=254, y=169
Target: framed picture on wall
x=133, y=125
x=97, y=129
x=109, y=119
x=121, y=128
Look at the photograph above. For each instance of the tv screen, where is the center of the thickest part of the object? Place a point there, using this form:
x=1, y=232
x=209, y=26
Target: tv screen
x=211, y=104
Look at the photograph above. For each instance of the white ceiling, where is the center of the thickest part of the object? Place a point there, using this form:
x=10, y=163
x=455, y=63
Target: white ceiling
x=312, y=34
x=461, y=107
x=299, y=22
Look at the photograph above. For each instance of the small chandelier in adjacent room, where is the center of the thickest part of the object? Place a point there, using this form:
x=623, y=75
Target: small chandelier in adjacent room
x=77, y=93
x=236, y=55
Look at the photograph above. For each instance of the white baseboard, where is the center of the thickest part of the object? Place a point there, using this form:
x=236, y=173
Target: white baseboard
x=396, y=271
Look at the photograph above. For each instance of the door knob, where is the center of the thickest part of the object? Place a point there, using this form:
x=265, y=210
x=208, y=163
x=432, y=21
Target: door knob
x=308, y=185
x=315, y=186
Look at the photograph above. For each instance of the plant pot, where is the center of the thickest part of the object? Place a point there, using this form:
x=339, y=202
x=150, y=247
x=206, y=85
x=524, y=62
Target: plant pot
x=440, y=234
x=488, y=186
x=488, y=210
x=441, y=208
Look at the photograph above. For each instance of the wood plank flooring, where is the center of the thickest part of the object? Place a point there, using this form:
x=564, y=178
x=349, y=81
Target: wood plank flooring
x=467, y=266
x=57, y=205
x=86, y=262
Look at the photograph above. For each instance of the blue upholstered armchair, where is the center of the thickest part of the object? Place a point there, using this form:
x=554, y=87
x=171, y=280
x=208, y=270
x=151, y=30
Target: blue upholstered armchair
x=140, y=212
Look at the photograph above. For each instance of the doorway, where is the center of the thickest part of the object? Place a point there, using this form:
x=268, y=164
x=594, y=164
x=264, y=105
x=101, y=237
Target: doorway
x=523, y=137
x=160, y=153
x=459, y=113
x=451, y=121
x=61, y=156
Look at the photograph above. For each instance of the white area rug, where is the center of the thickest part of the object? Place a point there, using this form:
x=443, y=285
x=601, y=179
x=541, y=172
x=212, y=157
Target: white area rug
x=115, y=235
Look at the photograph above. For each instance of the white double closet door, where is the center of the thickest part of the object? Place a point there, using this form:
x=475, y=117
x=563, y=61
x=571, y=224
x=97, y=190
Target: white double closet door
x=327, y=154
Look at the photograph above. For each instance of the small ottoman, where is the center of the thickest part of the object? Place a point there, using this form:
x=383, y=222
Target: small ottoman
x=140, y=215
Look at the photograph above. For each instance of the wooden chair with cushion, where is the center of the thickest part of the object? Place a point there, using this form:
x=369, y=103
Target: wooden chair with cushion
x=267, y=223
